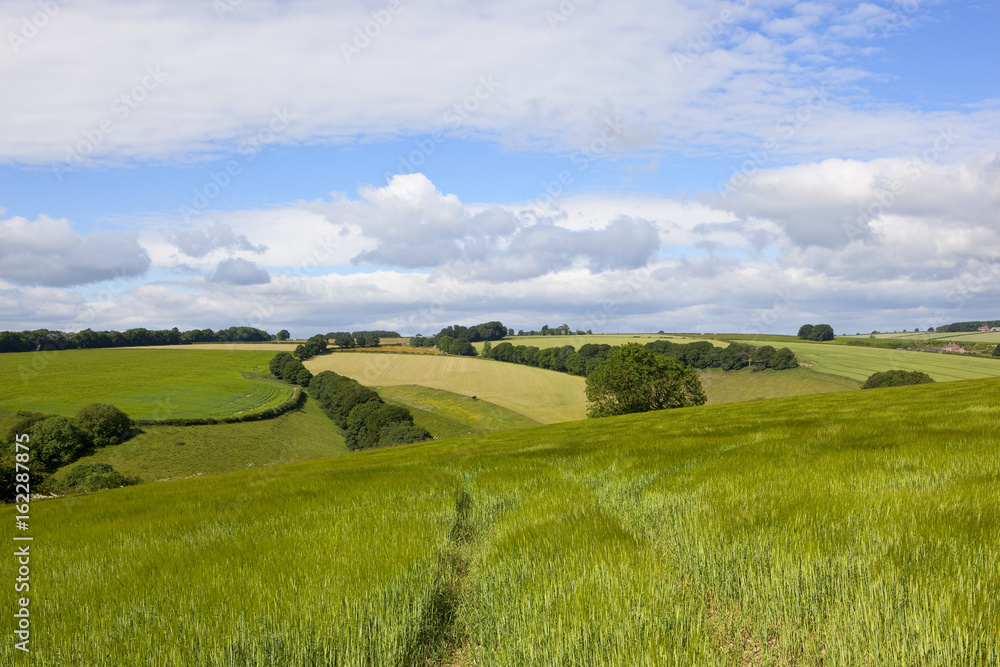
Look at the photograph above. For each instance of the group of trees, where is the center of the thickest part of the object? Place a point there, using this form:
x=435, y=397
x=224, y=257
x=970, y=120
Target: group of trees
x=366, y=419
x=313, y=346
x=286, y=367
x=43, y=339
x=818, y=332
x=634, y=378
x=961, y=327
x=488, y=331
x=348, y=340
x=896, y=379
x=56, y=441
x=459, y=346
x=563, y=330
x=996, y=351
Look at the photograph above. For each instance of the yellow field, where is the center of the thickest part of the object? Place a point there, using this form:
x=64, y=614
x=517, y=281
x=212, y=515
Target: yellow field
x=545, y=396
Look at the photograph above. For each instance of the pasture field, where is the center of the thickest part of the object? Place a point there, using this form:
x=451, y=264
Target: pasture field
x=858, y=528
x=541, y=395
x=858, y=363
x=447, y=415
x=146, y=384
x=745, y=385
x=174, y=452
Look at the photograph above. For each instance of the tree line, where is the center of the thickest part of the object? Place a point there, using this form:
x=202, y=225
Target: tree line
x=348, y=340
x=480, y=332
x=367, y=421
x=962, y=327
x=44, y=339
x=818, y=332
x=699, y=355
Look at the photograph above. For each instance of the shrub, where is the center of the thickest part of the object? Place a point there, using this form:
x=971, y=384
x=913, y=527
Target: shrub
x=95, y=477
x=896, y=379
x=54, y=442
x=278, y=363
x=102, y=424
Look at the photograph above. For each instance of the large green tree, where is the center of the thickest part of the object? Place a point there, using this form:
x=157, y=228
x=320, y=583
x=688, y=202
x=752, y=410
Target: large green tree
x=103, y=424
x=636, y=379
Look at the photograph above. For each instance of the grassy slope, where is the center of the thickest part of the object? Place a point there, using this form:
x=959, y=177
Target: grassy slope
x=960, y=337
x=745, y=385
x=146, y=384
x=171, y=452
x=858, y=363
x=856, y=528
x=446, y=414
x=541, y=395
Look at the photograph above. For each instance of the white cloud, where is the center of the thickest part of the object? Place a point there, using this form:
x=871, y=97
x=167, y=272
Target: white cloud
x=50, y=252
x=240, y=272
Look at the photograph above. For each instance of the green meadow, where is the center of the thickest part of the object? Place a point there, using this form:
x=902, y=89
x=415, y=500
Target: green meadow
x=446, y=414
x=146, y=384
x=858, y=363
x=851, y=528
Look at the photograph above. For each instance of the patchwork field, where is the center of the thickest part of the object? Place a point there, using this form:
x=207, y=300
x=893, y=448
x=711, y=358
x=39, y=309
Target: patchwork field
x=858, y=363
x=971, y=336
x=541, y=395
x=146, y=384
x=854, y=528
x=542, y=342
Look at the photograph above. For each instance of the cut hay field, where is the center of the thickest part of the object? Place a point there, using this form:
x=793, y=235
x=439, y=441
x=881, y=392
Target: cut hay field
x=447, y=415
x=146, y=384
x=855, y=528
x=542, y=395
x=858, y=363
x=174, y=452
x=745, y=385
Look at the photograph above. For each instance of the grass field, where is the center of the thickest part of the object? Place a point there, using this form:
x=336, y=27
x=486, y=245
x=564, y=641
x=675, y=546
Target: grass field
x=858, y=363
x=745, y=385
x=146, y=384
x=541, y=395
x=854, y=528
x=971, y=336
x=446, y=414
x=172, y=452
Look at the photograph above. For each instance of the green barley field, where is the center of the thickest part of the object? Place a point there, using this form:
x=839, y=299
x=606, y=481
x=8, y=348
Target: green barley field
x=858, y=363
x=853, y=528
x=145, y=383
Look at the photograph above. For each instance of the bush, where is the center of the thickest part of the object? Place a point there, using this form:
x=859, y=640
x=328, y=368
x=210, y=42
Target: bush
x=402, y=433
x=95, y=477
x=896, y=379
x=54, y=441
x=996, y=352
x=278, y=363
x=375, y=424
x=102, y=424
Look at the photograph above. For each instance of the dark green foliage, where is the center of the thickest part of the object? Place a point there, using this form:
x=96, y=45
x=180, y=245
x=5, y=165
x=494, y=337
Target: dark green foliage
x=366, y=421
x=958, y=327
x=402, y=433
x=313, y=346
x=278, y=364
x=344, y=340
x=95, y=477
x=102, y=424
x=338, y=395
x=636, y=379
x=819, y=332
x=784, y=359
x=284, y=335
x=487, y=351
x=43, y=339
x=54, y=441
x=421, y=341
x=896, y=379
x=367, y=338
x=996, y=351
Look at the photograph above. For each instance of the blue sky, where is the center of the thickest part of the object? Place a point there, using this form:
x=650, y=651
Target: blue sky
x=689, y=166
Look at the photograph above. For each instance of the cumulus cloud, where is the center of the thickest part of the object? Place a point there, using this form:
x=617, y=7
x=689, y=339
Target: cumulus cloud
x=196, y=242
x=240, y=272
x=49, y=252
